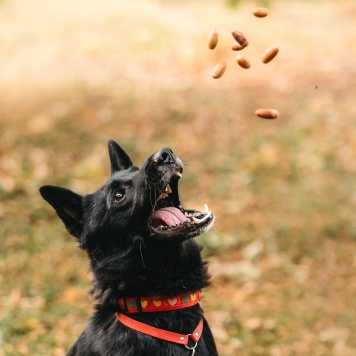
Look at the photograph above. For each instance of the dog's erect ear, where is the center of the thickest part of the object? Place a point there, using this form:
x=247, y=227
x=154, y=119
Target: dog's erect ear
x=118, y=157
x=68, y=205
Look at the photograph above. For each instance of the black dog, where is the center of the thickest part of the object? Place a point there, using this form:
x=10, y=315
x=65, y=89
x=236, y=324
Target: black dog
x=146, y=265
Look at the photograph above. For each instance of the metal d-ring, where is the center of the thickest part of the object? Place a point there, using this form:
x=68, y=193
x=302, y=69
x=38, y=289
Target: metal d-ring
x=191, y=348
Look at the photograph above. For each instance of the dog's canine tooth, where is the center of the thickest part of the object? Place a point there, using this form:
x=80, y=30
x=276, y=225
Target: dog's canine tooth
x=167, y=191
x=177, y=173
x=206, y=209
x=162, y=196
x=203, y=219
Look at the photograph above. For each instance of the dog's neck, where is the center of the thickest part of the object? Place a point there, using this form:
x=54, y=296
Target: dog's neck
x=164, y=271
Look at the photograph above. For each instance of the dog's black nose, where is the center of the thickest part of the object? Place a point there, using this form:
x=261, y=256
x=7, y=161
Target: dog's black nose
x=165, y=155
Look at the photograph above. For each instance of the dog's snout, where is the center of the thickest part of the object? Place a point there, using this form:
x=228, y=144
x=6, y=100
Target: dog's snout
x=165, y=155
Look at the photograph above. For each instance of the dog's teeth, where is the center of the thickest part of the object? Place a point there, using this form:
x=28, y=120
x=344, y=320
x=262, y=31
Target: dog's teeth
x=162, y=196
x=177, y=173
x=203, y=219
x=206, y=209
x=167, y=191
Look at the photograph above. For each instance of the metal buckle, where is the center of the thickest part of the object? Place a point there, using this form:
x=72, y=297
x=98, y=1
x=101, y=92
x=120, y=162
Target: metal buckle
x=191, y=348
x=138, y=305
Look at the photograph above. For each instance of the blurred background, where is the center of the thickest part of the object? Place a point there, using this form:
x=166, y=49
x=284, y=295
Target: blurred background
x=282, y=252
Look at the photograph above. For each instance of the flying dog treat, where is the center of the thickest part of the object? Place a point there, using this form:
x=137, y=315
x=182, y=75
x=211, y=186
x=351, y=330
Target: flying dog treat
x=219, y=70
x=243, y=62
x=236, y=46
x=213, y=39
x=269, y=54
x=260, y=12
x=267, y=113
x=240, y=38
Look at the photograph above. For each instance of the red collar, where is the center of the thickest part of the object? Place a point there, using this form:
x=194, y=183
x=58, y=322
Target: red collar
x=149, y=304
x=163, y=334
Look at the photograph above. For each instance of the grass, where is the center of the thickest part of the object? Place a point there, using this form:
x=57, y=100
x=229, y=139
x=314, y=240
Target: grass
x=282, y=249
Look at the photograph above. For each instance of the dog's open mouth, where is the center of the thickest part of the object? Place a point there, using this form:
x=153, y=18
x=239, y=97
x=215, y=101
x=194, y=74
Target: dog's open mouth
x=170, y=219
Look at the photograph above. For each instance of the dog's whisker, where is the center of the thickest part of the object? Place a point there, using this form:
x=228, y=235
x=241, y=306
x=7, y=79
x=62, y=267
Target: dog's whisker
x=143, y=262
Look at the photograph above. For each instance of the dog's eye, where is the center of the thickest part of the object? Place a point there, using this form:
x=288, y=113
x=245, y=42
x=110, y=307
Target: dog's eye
x=119, y=195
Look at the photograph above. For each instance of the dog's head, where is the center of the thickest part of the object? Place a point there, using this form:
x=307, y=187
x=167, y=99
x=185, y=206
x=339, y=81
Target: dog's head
x=134, y=204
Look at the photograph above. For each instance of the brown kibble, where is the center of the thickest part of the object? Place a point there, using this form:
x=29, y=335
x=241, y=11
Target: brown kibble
x=213, y=39
x=236, y=46
x=219, y=70
x=269, y=54
x=260, y=12
x=243, y=62
x=267, y=113
x=240, y=38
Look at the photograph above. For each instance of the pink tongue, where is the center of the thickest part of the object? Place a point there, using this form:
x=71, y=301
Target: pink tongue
x=168, y=217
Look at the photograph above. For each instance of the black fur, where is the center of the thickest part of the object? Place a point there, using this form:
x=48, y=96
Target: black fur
x=131, y=254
